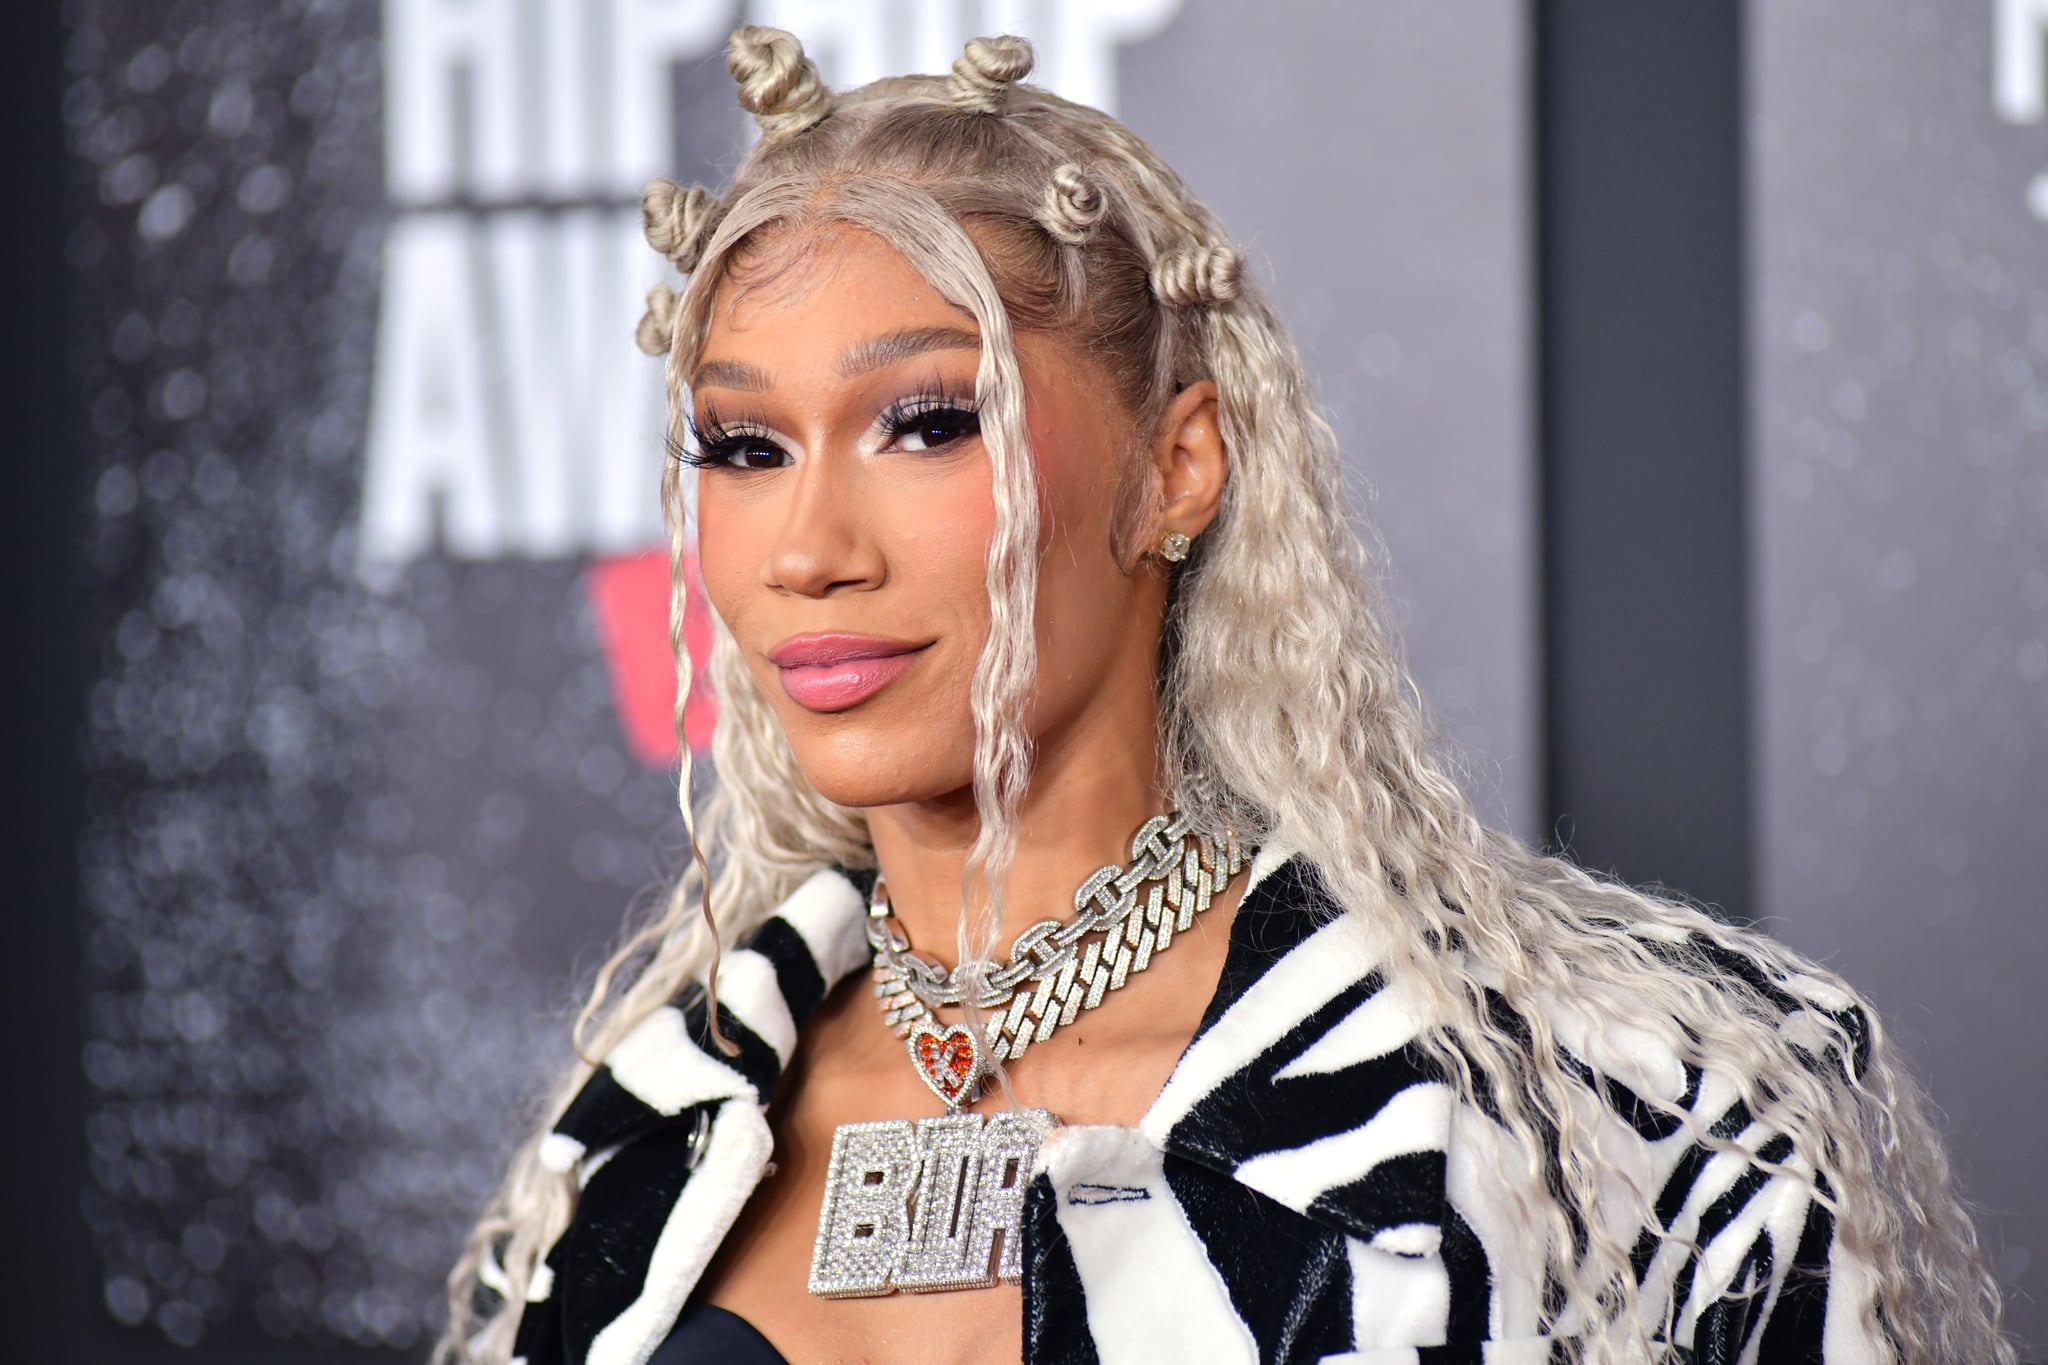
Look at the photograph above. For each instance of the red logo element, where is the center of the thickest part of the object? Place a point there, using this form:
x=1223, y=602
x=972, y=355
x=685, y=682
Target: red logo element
x=630, y=596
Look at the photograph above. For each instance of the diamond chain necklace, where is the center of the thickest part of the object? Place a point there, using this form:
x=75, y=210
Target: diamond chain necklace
x=938, y=1204
x=1050, y=977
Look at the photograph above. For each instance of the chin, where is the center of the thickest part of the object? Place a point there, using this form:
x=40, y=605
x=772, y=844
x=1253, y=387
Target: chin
x=856, y=761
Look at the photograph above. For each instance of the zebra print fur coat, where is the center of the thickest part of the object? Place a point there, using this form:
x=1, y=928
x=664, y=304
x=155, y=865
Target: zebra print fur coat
x=1305, y=1188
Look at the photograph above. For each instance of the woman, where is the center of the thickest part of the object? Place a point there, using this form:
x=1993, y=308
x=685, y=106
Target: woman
x=1023, y=535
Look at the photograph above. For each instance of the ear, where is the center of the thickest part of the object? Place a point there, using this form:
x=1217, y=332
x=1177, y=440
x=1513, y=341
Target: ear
x=1190, y=463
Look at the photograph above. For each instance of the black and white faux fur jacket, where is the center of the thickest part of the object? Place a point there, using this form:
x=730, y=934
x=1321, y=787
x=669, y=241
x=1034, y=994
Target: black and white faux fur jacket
x=1305, y=1188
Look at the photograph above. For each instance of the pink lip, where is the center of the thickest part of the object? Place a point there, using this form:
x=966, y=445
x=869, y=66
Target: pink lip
x=831, y=670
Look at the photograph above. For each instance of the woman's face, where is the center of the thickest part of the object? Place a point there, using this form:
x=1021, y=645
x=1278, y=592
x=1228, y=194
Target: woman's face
x=845, y=512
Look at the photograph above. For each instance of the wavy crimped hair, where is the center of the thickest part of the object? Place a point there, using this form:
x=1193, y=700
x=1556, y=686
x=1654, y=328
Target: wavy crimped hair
x=1287, y=715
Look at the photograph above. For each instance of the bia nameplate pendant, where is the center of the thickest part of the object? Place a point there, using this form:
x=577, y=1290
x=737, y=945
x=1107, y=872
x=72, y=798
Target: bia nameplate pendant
x=935, y=1204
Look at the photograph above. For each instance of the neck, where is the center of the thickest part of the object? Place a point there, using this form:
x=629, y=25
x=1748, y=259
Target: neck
x=1090, y=791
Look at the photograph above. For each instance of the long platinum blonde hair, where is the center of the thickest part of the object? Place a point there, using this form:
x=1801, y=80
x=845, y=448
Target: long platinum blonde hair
x=1287, y=713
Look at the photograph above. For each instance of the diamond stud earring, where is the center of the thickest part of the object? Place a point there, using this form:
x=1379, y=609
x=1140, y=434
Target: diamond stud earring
x=1173, y=547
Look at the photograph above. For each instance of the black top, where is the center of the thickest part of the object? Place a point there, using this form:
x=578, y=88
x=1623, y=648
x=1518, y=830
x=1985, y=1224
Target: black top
x=709, y=1335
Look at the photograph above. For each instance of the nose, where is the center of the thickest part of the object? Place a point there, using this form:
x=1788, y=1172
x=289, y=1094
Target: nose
x=824, y=544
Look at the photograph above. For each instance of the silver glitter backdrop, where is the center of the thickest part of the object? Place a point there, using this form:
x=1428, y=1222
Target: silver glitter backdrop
x=354, y=825
x=350, y=834
x=1396, y=238
x=1900, y=528
x=342, y=843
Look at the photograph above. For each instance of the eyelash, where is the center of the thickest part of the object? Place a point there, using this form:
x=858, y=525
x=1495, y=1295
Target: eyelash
x=903, y=416
x=714, y=444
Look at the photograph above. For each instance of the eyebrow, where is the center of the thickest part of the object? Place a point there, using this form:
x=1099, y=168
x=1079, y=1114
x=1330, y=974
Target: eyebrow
x=732, y=374
x=880, y=352
x=863, y=357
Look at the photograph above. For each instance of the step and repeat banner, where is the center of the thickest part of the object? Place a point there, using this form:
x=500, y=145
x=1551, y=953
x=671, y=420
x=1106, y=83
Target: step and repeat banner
x=378, y=745
x=1899, y=480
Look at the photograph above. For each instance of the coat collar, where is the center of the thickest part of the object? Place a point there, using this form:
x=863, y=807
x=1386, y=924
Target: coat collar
x=1305, y=1063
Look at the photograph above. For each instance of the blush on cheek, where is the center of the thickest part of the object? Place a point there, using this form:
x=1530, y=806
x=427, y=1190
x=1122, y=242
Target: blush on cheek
x=1076, y=464
x=727, y=560
x=928, y=527
x=966, y=518
x=1051, y=454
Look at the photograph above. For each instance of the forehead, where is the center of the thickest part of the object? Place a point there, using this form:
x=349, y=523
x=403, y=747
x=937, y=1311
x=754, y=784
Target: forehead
x=835, y=301
x=832, y=276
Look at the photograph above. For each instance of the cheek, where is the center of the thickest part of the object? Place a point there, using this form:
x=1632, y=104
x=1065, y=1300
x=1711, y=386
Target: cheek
x=732, y=540
x=932, y=529
x=952, y=529
x=1052, y=450
x=1077, y=464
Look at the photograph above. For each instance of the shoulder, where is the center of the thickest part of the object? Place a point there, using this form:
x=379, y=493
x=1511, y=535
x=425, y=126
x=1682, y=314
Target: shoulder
x=1327, y=1080
x=1690, y=1072
x=1694, y=993
x=1700, y=1077
x=1682, y=1043
x=1638, y=1000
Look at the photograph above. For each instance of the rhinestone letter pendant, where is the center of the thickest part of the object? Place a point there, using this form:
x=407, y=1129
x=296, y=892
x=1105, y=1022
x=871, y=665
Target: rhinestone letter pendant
x=937, y=1204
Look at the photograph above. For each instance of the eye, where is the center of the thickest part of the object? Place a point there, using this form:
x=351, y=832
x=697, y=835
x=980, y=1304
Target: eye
x=719, y=446
x=746, y=453
x=925, y=424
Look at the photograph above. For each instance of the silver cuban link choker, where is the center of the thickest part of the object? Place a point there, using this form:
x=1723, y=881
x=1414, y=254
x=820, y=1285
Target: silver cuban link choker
x=1050, y=977
x=938, y=1203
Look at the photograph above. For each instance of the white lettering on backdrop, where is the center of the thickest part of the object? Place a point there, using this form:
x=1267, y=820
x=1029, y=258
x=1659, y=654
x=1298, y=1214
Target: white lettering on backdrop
x=511, y=415
x=2020, y=76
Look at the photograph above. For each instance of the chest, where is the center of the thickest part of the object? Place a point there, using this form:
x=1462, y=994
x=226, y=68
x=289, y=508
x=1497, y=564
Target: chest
x=848, y=1070
x=1128, y=1254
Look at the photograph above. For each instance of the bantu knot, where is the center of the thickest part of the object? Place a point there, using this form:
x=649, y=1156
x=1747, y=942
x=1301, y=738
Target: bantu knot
x=984, y=73
x=1073, y=206
x=779, y=85
x=657, y=329
x=677, y=221
x=1197, y=276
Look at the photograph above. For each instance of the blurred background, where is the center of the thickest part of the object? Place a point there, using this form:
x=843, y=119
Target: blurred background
x=1691, y=363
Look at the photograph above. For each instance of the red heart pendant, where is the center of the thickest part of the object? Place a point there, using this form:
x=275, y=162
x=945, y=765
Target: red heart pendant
x=948, y=1060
